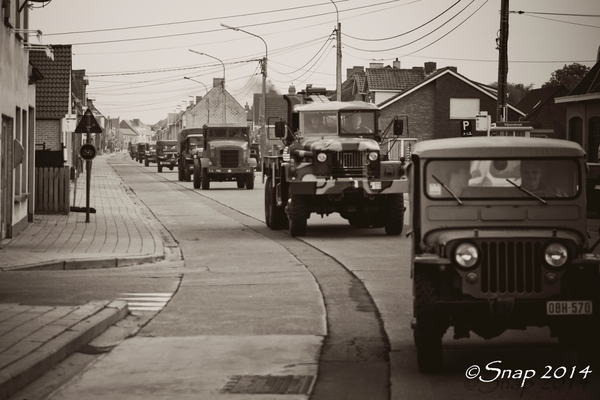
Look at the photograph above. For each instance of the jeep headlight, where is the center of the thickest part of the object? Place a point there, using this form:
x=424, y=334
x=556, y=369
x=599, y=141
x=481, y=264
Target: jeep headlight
x=466, y=255
x=321, y=157
x=556, y=255
x=373, y=156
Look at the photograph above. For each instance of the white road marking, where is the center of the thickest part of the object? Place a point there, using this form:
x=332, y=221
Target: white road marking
x=146, y=301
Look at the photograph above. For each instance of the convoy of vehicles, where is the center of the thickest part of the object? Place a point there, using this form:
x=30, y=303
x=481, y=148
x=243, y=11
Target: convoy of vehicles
x=167, y=154
x=500, y=242
x=328, y=160
x=226, y=157
x=191, y=145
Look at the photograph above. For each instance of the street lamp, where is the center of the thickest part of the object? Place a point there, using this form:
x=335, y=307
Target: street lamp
x=222, y=83
x=263, y=103
x=219, y=60
x=193, y=80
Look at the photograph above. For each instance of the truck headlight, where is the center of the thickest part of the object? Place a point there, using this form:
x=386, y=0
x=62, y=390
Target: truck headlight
x=556, y=255
x=373, y=156
x=321, y=157
x=466, y=255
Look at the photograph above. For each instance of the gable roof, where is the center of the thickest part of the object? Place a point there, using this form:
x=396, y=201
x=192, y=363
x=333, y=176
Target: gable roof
x=393, y=78
x=436, y=75
x=537, y=98
x=53, y=93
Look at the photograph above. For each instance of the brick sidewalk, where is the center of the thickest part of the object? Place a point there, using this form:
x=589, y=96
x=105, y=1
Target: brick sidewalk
x=121, y=232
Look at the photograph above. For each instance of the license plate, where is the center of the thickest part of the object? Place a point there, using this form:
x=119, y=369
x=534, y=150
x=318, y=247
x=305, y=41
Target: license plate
x=375, y=185
x=597, y=187
x=574, y=307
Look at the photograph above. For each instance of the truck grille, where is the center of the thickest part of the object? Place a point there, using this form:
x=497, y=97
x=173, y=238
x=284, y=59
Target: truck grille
x=229, y=158
x=348, y=163
x=511, y=267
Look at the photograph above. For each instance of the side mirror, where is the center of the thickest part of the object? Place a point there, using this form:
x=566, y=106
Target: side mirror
x=280, y=129
x=398, y=127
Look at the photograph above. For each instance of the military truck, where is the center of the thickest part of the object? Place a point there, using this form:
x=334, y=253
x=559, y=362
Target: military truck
x=167, y=154
x=150, y=153
x=327, y=161
x=191, y=142
x=226, y=157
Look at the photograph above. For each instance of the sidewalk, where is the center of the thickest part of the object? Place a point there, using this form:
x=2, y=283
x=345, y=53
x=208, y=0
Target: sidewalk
x=122, y=232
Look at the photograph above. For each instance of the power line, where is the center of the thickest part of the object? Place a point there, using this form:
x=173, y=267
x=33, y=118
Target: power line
x=560, y=14
x=564, y=22
x=407, y=32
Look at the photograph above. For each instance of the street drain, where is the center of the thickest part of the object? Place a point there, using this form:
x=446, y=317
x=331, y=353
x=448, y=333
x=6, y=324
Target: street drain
x=269, y=384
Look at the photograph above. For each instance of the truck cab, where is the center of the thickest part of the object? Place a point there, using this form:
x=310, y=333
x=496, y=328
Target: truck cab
x=500, y=242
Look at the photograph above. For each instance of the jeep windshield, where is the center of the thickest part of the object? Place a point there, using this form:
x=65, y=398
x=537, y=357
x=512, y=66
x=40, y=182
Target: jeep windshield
x=536, y=179
x=227, y=133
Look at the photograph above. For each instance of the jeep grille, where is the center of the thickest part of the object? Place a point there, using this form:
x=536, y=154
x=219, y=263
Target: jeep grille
x=229, y=158
x=348, y=163
x=511, y=267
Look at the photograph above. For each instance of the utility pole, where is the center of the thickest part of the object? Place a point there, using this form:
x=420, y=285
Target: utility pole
x=263, y=101
x=502, y=46
x=338, y=45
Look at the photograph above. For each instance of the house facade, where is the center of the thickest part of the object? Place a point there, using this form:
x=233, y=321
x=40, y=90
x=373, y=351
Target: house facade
x=546, y=117
x=583, y=112
x=18, y=80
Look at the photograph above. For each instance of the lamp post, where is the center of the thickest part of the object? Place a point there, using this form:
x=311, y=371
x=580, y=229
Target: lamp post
x=222, y=83
x=263, y=103
x=338, y=72
x=193, y=80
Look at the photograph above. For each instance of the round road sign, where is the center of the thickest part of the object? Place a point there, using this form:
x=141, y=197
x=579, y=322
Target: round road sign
x=88, y=151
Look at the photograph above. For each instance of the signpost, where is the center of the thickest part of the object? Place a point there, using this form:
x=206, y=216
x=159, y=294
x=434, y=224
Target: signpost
x=89, y=125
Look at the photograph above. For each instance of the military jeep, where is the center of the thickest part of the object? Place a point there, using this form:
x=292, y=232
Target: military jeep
x=500, y=242
x=167, y=154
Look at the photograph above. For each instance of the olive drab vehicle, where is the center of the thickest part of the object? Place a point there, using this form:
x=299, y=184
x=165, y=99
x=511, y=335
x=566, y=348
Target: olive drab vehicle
x=150, y=153
x=226, y=157
x=328, y=160
x=191, y=144
x=141, y=151
x=167, y=154
x=500, y=242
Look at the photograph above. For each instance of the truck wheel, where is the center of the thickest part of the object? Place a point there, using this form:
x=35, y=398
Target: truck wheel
x=395, y=214
x=146, y=162
x=298, y=214
x=196, y=176
x=250, y=181
x=240, y=182
x=427, y=333
x=180, y=173
x=205, y=179
x=188, y=173
x=274, y=216
x=159, y=168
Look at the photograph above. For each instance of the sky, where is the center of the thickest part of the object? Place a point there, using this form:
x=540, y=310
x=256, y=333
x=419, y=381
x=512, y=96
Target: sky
x=136, y=53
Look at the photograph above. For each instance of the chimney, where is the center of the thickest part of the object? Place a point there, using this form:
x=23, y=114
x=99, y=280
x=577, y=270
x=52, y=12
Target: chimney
x=292, y=90
x=136, y=122
x=354, y=70
x=219, y=82
x=198, y=98
x=430, y=67
x=396, y=63
x=375, y=65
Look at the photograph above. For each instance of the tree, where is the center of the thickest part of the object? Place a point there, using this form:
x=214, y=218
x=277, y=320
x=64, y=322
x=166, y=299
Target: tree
x=569, y=75
x=515, y=91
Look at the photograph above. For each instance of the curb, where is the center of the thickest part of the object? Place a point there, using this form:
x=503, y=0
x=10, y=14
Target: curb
x=27, y=369
x=89, y=263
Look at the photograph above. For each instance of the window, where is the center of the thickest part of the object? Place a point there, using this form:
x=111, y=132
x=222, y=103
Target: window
x=464, y=108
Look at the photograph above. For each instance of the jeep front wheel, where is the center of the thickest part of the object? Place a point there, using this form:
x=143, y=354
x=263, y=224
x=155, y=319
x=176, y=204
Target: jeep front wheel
x=196, y=176
x=395, y=214
x=205, y=179
x=427, y=332
x=298, y=215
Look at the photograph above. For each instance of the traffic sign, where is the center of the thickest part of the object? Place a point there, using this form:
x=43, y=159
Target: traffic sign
x=88, y=124
x=87, y=151
x=466, y=128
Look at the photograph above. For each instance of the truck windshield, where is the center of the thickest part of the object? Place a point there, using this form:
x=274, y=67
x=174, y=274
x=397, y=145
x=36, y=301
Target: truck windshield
x=195, y=142
x=221, y=133
x=357, y=122
x=502, y=178
x=318, y=123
